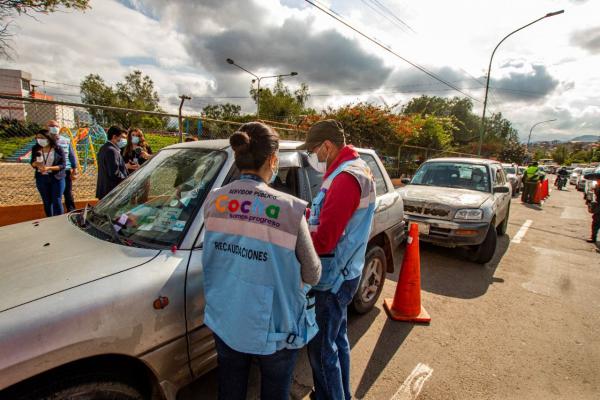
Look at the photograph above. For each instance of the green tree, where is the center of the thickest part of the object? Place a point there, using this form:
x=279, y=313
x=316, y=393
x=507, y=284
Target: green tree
x=9, y=9
x=560, y=154
x=513, y=152
x=227, y=111
x=432, y=132
x=280, y=104
x=539, y=154
x=135, y=92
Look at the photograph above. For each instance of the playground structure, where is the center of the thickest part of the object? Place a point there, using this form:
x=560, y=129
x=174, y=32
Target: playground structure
x=86, y=141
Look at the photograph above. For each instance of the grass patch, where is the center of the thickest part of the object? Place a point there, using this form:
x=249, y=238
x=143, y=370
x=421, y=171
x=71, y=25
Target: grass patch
x=157, y=142
x=8, y=146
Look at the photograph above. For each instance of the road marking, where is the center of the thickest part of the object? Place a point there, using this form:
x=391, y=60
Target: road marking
x=412, y=385
x=522, y=231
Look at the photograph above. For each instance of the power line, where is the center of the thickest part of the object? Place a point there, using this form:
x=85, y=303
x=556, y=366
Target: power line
x=420, y=68
x=383, y=7
x=383, y=14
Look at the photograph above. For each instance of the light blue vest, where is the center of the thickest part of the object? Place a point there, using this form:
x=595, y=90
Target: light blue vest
x=256, y=301
x=348, y=257
x=65, y=144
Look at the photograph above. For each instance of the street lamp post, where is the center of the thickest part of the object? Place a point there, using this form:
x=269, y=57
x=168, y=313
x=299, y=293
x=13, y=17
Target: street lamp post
x=258, y=79
x=534, y=125
x=487, y=83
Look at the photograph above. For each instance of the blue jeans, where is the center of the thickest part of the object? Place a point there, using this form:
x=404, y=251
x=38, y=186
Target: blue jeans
x=51, y=190
x=275, y=372
x=329, y=351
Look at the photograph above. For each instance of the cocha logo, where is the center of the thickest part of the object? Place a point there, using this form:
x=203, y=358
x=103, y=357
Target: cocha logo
x=257, y=207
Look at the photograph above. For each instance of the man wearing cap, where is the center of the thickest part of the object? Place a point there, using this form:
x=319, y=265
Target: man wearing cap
x=340, y=223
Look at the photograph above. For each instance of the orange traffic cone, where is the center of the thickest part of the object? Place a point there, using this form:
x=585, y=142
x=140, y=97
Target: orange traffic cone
x=406, y=304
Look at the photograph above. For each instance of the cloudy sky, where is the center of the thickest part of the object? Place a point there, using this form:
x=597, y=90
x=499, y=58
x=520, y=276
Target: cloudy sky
x=548, y=70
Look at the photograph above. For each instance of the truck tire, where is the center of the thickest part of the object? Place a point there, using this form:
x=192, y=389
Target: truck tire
x=485, y=251
x=371, y=281
x=501, y=229
x=85, y=387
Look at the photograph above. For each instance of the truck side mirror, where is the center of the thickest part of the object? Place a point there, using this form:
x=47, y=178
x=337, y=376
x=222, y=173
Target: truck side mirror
x=405, y=181
x=501, y=189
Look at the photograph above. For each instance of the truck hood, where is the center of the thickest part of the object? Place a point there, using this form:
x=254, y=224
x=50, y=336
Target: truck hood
x=44, y=257
x=451, y=197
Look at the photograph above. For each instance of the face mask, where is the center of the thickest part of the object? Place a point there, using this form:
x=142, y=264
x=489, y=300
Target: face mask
x=54, y=130
x=122, y=143
x=313, y=160
x=275, y=172
x=135, y=139
x=42, y=142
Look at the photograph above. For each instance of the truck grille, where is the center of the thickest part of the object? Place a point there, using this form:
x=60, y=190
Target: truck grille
x=431, y=210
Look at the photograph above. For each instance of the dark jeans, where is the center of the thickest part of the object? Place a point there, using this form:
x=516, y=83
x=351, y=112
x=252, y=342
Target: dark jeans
x=69, y=201
x=329, y=351
x=529, y=190
x=275, y=372
x=595, y=225
x=51, y=190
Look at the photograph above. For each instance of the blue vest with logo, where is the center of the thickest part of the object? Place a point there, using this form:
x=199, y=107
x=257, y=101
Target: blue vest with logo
x=256, y=301
x=348, y=257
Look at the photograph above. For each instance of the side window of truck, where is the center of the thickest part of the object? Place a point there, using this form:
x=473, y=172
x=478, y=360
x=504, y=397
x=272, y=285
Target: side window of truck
x=380, y=185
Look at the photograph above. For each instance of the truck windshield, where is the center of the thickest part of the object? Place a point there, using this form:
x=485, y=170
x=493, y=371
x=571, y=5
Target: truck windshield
x=155, y=205
x=510, y=170
x=453, y=175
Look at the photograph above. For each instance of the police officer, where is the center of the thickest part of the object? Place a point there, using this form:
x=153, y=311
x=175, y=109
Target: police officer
x=340, y=222
x=531, y=177
x=259, y=263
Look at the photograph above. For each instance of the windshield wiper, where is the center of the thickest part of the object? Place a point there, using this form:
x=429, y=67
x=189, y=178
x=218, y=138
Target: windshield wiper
x=115, y=233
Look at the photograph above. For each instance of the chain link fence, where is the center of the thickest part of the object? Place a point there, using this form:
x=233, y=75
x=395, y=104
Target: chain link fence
x=407, y=159
x=85, y=127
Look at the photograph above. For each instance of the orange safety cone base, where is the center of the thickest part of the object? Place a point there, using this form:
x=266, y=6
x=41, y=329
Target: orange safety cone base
x=423, y=316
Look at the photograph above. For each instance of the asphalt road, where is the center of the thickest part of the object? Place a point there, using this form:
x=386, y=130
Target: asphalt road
x=524, y=326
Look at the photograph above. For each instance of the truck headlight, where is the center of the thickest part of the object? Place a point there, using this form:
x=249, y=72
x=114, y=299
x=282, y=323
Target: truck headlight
x=469, y=214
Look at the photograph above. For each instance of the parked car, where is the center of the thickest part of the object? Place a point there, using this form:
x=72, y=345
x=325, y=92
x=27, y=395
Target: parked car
x=514, y=176
x=575, y=175
x=108, y=302
x=581, y=183
x=460, y=202
x=590, y=185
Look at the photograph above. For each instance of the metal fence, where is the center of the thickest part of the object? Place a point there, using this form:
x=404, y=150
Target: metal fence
x=407, y=159
x=85, y=126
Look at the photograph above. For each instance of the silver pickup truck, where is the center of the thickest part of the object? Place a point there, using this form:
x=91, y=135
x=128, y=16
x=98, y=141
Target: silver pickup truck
x=108, y=302
x=459, y=202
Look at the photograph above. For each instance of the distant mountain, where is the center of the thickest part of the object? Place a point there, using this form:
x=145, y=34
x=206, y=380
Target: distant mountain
x=586, y=138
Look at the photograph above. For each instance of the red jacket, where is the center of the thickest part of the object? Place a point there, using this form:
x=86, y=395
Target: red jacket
x=343, y=198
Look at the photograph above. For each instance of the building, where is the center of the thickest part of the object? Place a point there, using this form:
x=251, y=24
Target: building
x=18, y=83
x=14, y=83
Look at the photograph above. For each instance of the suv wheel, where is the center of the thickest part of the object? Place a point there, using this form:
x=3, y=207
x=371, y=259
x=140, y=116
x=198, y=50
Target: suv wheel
x=371, y=281
x=485, y=251
x=98, y=386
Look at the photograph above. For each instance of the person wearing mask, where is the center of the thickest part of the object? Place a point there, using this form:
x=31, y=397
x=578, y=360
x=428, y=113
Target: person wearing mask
x=137, y=151
x=71, y=172
x=259, y=263
x=594, y=208
x=112, y=169
x=49, y=161
x=531, y=177
x=340, y=222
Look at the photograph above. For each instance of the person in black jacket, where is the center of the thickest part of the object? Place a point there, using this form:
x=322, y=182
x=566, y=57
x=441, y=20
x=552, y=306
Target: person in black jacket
x=112, y=169
x=49, y=161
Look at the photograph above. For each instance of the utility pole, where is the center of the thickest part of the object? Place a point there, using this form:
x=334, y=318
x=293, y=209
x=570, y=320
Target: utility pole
x=183, y=98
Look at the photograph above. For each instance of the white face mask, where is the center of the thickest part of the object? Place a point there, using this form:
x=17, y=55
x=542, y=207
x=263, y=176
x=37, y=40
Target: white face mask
x=42, y=142
x=122, y=143
x=54, y=130
x=135, y=140
x=313, y=160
